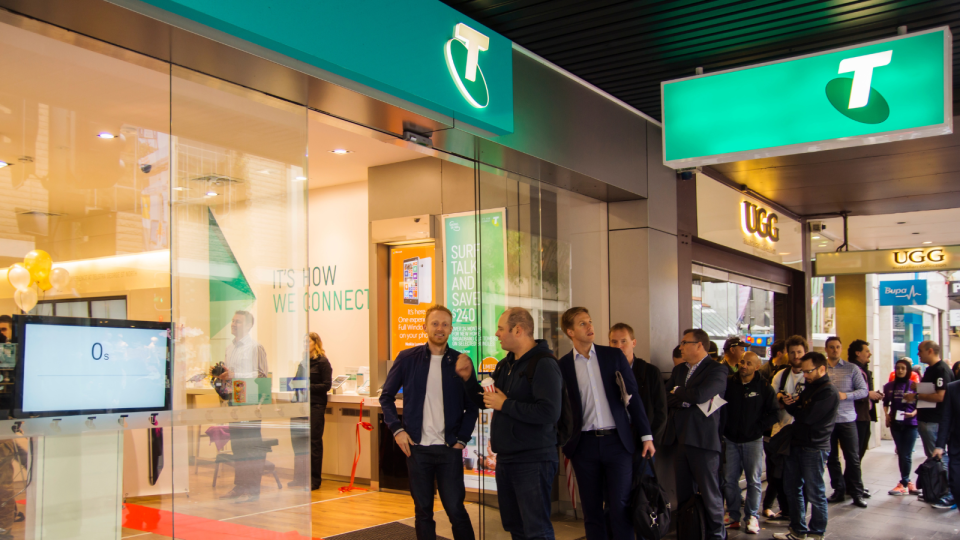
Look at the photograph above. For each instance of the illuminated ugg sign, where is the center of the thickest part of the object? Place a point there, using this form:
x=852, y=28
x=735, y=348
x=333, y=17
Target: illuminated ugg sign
x=756, y=221
x=919, y=256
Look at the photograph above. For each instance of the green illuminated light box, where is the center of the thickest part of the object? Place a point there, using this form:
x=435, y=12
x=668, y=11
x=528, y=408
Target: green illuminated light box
x=889, y=90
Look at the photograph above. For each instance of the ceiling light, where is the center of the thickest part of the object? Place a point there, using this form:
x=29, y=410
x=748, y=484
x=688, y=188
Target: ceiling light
x=928, y=242
x=815, y=237
x=178, y=188
x=212, y=194
x=105, y=135
x=4, y=164
x=300, y=178
x=340, y=151
x=785, y=253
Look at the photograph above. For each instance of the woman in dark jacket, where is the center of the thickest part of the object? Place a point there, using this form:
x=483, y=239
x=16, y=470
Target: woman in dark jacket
x=902, y=419
x=320, y=374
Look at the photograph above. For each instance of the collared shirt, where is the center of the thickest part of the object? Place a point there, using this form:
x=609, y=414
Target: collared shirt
x=690, y=374
x=596, y=408
x=848, y=379
x=246, y=359
x=433, y=423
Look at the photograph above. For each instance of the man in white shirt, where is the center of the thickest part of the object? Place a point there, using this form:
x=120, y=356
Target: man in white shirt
x=787, y=382
x=245, y=359
x=599, y=379
x=438, y=421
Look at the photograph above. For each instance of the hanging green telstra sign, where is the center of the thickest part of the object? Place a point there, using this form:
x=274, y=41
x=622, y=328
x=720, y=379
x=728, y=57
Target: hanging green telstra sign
x=475, y=277
x=889, y=90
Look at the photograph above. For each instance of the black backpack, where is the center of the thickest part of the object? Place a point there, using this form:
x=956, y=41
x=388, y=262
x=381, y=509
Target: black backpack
x=565, y=424
x=932, y=479
x=649, y=507
x=691, y=519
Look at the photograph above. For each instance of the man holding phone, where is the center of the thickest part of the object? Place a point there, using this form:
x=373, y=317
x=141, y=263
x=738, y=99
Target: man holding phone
x=438, y=421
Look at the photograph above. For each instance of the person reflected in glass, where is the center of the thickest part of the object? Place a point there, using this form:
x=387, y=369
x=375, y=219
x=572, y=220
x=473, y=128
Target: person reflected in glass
x=245, y=359
x=314, y=370
x=6, y=328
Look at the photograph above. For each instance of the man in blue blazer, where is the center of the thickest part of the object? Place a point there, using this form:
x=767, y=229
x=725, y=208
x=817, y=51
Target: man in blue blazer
x=605, y=429
x=438, y=421
x=948, y=438
x=697, y=460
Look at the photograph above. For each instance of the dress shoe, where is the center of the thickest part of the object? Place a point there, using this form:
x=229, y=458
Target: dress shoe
x=837, y=497
x=235, y=493
x=866, y=493
x=250, y=497
x=859, y=502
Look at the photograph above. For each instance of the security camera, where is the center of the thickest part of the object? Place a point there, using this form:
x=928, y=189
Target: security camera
x=817, y=226
x=146, y=168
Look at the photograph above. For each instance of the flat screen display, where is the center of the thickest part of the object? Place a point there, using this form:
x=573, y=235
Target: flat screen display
x=75, y=365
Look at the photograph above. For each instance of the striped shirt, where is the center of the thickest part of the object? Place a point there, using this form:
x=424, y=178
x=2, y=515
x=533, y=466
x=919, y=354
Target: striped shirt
x=246, y=359
x=848, y=379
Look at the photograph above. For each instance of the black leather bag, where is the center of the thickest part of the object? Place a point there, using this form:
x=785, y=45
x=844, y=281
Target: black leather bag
x=649, y=507
x=932, y=479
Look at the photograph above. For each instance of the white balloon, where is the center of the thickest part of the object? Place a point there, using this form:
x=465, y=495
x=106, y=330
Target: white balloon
x=19, y=277
x=26, y=299
x=60, y=278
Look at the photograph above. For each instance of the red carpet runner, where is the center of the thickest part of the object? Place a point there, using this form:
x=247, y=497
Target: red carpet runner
x=161, y=522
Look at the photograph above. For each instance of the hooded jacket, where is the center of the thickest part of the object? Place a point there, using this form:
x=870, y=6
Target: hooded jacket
x=814, y=414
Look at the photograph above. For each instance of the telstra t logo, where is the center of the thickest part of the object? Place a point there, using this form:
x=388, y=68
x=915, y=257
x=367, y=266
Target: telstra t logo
x=463, y=54
x=855, y=98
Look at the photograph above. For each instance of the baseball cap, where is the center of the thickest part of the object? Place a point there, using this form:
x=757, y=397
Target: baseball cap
x=733, y=342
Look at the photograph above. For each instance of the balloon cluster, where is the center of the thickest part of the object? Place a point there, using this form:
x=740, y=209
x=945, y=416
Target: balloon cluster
x=37, y=268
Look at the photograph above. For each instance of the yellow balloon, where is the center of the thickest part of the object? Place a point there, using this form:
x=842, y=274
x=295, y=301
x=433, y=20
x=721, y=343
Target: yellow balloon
x=38, y=263
x=45, y=284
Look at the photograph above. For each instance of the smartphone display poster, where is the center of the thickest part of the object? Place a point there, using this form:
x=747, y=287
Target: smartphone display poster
x=411, y=294
x=475, y=276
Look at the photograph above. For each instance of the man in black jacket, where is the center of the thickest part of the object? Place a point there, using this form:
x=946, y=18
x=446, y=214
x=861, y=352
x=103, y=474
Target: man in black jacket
x=697, y=436
x=948, y=438
x=814, y=414
x=438, y=421
x=653, y=394
x=751, y=409
x=523, y=430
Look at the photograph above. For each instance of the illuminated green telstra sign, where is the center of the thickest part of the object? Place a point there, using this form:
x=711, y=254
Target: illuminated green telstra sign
x=889, y=90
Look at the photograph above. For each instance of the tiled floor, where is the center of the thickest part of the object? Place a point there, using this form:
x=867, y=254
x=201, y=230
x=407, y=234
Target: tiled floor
x=887, y=517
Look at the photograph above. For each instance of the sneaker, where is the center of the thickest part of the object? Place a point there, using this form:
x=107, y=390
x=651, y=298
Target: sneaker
x=945, y=503
x=753, y=525
x=788, y=536
x=735, y=525
x=726, y=519
x=898, y=491
x=912, y=489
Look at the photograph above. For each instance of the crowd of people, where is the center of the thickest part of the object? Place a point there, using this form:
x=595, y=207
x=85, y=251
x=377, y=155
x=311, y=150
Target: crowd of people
x=723, y=418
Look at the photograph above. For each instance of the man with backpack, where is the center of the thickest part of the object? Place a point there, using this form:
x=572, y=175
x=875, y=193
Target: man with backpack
x=527, y=398
x=606, y=413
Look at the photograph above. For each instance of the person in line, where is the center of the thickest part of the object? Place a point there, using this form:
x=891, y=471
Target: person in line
x=787, y=382
x=677, y=359
x=858, y=354
x=733, y=350
x=523, y=432
x=814, y=412
x=6, y=328
x=751, y=410
x=956, y=370
x=653, y=394
x=849, y=381
x=902, y=419
x=438, y=421
x=713, y=352
x=778, y=360
x=245, y=359
x=315, y=369
x=914, y=376
x=697, y=436
x=939, y=374
x=602, y=446
x=948, y=436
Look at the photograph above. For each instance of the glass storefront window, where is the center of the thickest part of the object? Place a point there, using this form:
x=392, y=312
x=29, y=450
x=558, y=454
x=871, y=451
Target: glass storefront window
x=725, y=309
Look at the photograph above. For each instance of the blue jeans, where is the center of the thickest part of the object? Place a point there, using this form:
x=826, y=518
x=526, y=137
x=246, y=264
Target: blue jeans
x=928, y=437
x=443, y=465
x=803, y=481
x=524, y=490
x=905, y=438
x=746, y=458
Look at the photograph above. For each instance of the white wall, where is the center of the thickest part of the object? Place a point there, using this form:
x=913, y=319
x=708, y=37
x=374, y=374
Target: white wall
x=338, y=237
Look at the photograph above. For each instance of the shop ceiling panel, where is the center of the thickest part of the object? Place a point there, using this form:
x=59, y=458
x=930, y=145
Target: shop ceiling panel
x=628, y=48
x=894, y=89
x=417, y=50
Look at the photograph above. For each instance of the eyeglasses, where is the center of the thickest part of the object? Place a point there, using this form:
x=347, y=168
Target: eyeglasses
x=808, y=371
x=682, y=343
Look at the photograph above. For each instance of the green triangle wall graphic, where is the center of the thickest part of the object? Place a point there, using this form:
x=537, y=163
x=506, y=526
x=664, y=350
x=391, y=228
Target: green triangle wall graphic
x=229, y=289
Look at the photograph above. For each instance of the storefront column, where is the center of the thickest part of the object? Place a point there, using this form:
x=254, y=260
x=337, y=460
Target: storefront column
x=851, y=294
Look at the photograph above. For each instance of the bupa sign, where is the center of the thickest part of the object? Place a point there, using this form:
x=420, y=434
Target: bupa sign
x=903, y=293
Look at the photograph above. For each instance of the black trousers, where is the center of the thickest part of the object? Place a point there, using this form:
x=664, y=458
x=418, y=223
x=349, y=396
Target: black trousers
x=306, y=435
x=701, y=467
x=863, y=436
x=317, y=421
x=775, y=491
x=250, y=455
x=845, y=439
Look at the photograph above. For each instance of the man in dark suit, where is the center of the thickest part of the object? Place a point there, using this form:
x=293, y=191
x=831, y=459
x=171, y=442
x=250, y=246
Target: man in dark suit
x=948, y=437
x=599, y=380
x=697, y=436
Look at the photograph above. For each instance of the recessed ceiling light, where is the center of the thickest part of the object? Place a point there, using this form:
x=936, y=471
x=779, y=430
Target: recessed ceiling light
x=212, y=194
x=4, y=164
x=927, y=242
x=340, y=151
x=785, y=253
x=300, y=178
x=178, y=188
x=815, y=237
x=105, y=135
